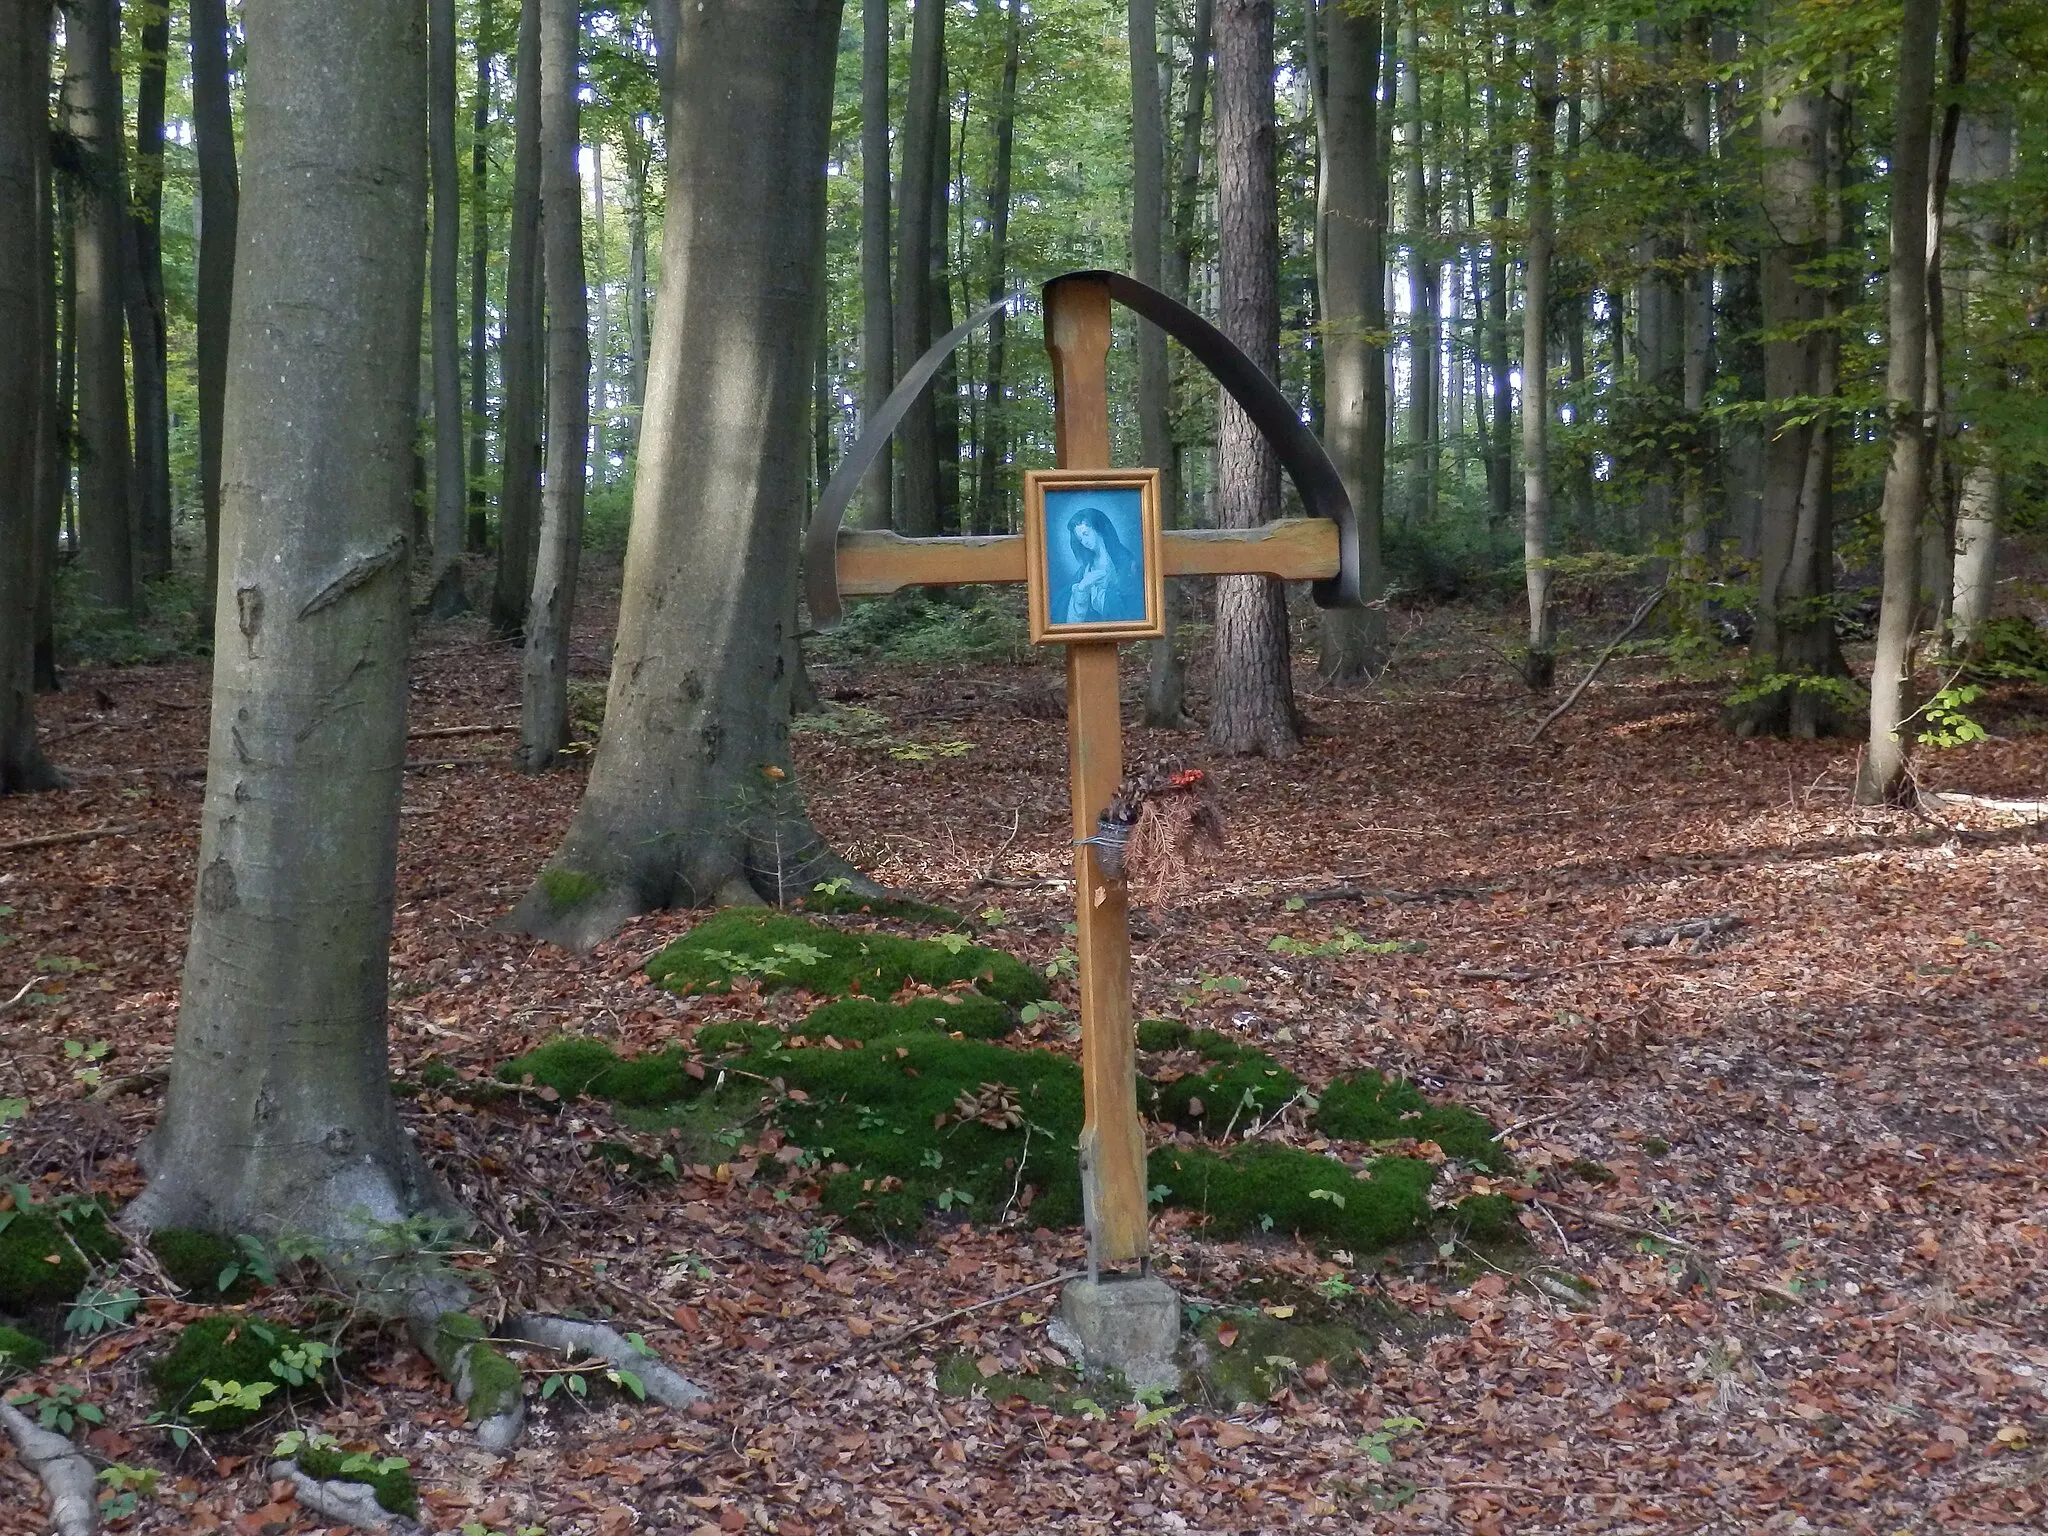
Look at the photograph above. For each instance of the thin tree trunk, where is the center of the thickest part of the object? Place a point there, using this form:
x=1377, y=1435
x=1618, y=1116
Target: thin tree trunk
x=1164, y=685
x=279, y=1112
x=1984, y=154
x=678, y=809
x=544, y=696
x=601, y=346
x=450, y=494
x=1698, y=324
x=990, y=496
x=878, y=334
x=214, y=137
x=149, y=346
x=944, y=395
x=1500, y=464
x=1253, y=705
x=1883, y=777
x=918, y=438
x=1539, y=664
x=1354, y=642
x=519, y=353
x=28, y=299
x=58, y=510
x=105, y=502
x=1422, y=287
x=636, y=283
x=478, y=538
x=1938, y=528
x=1188, y=174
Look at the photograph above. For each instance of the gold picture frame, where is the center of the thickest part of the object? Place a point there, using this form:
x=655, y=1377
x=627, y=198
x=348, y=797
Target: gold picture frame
x=1092, y=562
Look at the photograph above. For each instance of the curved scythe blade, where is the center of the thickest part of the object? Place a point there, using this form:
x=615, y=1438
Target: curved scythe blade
x=821, y=544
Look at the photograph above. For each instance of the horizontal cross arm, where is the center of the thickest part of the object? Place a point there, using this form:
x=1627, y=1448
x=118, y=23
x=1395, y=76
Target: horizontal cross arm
x=872, y=562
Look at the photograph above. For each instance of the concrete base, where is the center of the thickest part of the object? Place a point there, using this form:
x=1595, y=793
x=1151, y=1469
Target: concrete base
x=1129, y=1325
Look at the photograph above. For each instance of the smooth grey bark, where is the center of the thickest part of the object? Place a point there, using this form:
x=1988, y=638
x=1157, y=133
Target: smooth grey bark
x=92, y=96
x=478, y=536
x=1695, y=545
x=1883, y=777
x=279, y=1113
x=1164, y=686
x=878, y=332
x=1984, y=152
x=599, y=284
x=1794, y=641
x=544, y=693
x=1423, y=284
x=143, y=282
x=636, y=281
x=1539, y=661
x=992, y=445
x=944, y=395
x=1352, y=271
x=917, y=439
x=690, y=798
x=1500, y=461
x=1188, y=169
x=213, y=126
x=519, y=353
x=1937, y=529
x=446, y=598
x=28, y=296
x=1253, y=710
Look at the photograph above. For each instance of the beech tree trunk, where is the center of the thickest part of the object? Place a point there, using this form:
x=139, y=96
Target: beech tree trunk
x=28, y=298
x=601, y=335
x=450, y=494
x=917, y=440
x=1253, y=707
x=1794, y=649
x=1698, y=324
x=279, y=1114
x=1984, y=148
x=878, y=333
x=213, y=125
x=993, y=446
x=1353, y=282
x=544, y=697
x=944, y=395
x=92, y=95
x=1883, y=777
x=519, y=352
x=1539, y=661
x=143, y=282
x=1423, y=298
x=1500, y=461
x=478, y=537
x=636, y=282
x=1164, y=686
x=690, y=799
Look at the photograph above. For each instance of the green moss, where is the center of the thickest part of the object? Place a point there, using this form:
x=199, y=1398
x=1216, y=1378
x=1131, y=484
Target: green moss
x=1656, y=1146
x=1162, y=1034
x=875, y=1110
x=1487, y=1219
x=493, y=1382
x=781, y=951
x=567, y=889
x=728, y=1039
x=633, y=1164
x=436, y=1073
x=1592, y=1172
x=47, y=1251
x=197, y=1260
x=394, y=1489
x=903, y=908
x=1240, y=1092
x=226, y=1347
x=19, y=1352
x=1369, y=1107
x=863, y=1018
x=1266, y=1353
x=573, y=1066
x=1265, y=1187
x=959, y=1375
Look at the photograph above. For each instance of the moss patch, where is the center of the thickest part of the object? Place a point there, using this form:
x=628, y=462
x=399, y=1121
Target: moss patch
x=1487, y=1220
x=903, y=908
x=960, y=1375
x=1265, y=1353
x=46, y=1253
x=1239, y=1093
x=198, y=1260
x=863, y=1018
x=1265, y=1187
x=1368, y=1107
x=19, y=1352
x=573, y=1066
x=781, y=951
x=568, y=889
x=394, y=1488
x=227, y=1347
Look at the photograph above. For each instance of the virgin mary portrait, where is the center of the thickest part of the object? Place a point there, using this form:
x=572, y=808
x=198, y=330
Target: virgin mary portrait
x=1105, y=586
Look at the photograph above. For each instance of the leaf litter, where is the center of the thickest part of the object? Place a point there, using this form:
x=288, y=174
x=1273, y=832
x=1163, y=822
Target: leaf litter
x=1782, y=1193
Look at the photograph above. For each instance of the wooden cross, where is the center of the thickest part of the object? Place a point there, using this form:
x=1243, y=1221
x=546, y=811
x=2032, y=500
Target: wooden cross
x=871, y=563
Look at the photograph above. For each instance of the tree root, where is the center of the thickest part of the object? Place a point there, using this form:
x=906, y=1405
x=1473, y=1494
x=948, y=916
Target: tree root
x=66, y=1475
x=487, y=1383
x=662, y=1382
x=351, y=1503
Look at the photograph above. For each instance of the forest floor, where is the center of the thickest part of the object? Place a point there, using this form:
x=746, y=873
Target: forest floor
x=1799, y=1174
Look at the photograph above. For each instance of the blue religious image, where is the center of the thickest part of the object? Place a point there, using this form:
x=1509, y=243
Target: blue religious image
x=1095, y=556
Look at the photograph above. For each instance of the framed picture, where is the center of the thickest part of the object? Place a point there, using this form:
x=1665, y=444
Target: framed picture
x=1091, y=555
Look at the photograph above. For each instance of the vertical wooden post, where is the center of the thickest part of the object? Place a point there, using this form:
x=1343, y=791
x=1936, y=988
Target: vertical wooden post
x=1112, y=1139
